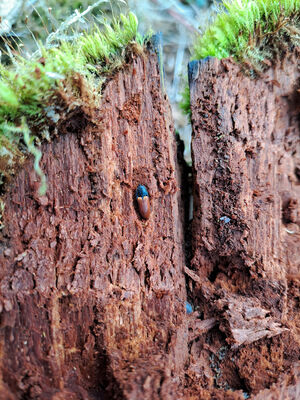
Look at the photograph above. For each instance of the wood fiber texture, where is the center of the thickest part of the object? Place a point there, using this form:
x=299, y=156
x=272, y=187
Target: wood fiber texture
x=245, y=266
x=92, y=295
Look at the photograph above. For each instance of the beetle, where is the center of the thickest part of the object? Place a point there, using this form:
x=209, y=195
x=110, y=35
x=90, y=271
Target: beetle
x=142, y=198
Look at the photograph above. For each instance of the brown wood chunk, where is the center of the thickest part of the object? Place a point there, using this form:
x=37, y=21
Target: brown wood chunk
x=91, y=295
x=245, y=231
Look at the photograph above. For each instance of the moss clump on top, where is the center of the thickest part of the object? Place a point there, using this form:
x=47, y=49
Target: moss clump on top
x=26, y=87
x=244, y=28
x=250, y=31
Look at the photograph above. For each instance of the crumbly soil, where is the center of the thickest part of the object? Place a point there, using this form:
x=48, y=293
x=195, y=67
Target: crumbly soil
x=245, y=267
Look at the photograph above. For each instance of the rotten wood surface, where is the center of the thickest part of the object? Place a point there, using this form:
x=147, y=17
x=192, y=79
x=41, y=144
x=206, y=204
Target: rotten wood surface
x=93, y=296
x=245, y=263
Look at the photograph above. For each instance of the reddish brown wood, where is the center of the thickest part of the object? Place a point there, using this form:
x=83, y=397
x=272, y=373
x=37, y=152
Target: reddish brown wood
x=92, y=295
x=246, y=225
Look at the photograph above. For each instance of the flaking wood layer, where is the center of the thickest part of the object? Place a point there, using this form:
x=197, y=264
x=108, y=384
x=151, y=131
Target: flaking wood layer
x=245, y=267
x=92, y=295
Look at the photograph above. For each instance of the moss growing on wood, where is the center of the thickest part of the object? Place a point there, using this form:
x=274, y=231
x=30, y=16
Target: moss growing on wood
x=28, y=86
x=247, y=29
x=252, y=32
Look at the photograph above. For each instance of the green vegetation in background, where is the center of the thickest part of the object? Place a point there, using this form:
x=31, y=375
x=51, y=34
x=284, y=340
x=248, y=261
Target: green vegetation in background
x=185, y=103
x=41, y=17
x=28, y=85
x=251, y=32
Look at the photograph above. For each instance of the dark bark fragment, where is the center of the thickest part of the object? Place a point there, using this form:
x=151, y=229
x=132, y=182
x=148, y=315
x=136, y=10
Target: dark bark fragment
x=246, y=225
x=93, y=296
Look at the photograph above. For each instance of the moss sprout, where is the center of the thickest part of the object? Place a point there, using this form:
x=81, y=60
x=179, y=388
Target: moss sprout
x=185, y=103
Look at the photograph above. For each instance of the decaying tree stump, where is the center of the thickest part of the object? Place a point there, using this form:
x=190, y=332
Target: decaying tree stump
x=246, y=229
x=92, y=295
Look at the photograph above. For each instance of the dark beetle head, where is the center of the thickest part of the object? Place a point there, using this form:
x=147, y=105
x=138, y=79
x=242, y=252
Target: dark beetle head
x=143, y=201
x=141, y=191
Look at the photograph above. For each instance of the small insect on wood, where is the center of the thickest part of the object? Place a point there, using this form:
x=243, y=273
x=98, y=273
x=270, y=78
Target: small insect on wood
x=142, y=198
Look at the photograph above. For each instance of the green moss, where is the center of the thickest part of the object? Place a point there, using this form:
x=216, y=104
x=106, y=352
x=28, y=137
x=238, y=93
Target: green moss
x=27, y=87
x=185, y=103
x=251, y=32
x=102, y=46
x=244, y=28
